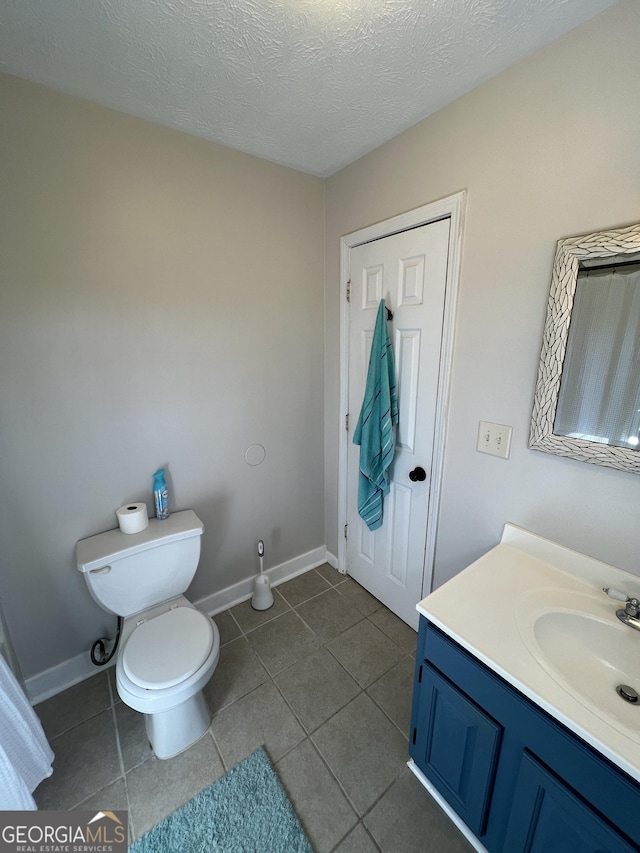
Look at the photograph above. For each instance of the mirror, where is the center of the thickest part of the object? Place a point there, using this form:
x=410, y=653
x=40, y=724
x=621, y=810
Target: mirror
x=587, y=399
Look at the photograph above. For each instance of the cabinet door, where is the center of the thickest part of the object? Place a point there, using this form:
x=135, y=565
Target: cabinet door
x=547, y=817
x=455, y=744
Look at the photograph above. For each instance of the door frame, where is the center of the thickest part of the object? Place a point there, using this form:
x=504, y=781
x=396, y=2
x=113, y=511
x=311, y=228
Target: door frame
x=452, y=207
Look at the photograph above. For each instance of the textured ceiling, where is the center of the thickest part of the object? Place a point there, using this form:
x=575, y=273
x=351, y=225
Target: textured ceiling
x=311, y=84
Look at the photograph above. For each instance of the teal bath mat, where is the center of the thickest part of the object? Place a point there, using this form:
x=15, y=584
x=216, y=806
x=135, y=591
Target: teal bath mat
x=246, y=811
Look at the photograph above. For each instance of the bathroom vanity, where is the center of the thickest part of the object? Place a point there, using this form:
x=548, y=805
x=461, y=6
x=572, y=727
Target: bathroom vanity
x=517, y=729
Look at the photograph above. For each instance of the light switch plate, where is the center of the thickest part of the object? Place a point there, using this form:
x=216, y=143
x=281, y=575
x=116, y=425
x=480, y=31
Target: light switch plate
x=494, y=439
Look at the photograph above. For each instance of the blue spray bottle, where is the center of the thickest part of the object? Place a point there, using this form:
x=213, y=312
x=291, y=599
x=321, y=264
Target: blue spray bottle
x=160, y=494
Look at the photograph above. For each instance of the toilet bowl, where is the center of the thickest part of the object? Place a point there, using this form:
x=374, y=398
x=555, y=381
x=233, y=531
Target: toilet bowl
x=165, y=658
x=168, y=649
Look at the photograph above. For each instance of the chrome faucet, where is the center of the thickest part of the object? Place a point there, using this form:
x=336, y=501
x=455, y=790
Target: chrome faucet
x=630, y=614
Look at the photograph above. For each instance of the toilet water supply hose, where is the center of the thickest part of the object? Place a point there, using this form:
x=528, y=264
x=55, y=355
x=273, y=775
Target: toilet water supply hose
x=99, y=654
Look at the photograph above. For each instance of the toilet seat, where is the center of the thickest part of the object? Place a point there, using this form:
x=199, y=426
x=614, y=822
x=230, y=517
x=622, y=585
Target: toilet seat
x=167, y=649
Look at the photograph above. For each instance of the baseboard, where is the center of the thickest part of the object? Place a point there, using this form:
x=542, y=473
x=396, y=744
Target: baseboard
x=57, y=678
x=333, y=562
x=51, y=681
x=243, y=590
x=446, y=808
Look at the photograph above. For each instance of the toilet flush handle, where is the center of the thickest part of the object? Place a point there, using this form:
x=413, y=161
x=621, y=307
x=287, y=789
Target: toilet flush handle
x=102, y=571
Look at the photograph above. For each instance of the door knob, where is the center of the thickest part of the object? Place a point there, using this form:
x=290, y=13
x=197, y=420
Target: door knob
x=417, y=475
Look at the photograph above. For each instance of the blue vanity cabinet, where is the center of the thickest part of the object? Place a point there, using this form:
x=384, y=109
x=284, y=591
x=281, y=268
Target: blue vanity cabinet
x=517, y=778
x=547, y=817
x=456, y=745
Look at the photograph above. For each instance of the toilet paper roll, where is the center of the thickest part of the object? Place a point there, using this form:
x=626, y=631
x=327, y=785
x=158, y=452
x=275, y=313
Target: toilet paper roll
x=132, y=518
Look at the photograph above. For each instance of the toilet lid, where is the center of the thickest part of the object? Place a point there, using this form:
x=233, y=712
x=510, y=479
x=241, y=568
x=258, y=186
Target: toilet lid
x=167, y=649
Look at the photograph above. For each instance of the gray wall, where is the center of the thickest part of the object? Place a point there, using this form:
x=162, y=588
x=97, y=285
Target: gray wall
x=547, y=149
x=161, y=303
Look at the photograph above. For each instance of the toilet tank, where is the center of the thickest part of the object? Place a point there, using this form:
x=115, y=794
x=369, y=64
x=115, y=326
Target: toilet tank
x=129, y=572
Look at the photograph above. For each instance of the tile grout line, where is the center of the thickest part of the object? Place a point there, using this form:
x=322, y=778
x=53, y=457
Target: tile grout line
x=272, y=618
x=121, y=775
x=361, y=690
x=217, y=748
x=244, y=634
x=353, y=828
x=114, y=717
x=132, y=833
x=335, y=779
x=324, y=645
x=317, y=750
x=301, y=603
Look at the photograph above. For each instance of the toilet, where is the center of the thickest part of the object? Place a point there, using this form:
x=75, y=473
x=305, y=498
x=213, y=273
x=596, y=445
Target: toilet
x=168, y=649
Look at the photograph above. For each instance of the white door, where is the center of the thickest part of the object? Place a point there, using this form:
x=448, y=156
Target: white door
x=408, y=270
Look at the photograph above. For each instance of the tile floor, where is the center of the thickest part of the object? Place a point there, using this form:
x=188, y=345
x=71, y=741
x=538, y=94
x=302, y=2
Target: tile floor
x=323, y=679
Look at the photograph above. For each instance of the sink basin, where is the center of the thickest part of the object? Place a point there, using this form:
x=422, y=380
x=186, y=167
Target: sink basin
x=588, y=652
x=534, y=612
x=579, y=645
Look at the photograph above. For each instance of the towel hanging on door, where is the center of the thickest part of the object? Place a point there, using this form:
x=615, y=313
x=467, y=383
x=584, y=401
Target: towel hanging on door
x=374, y=430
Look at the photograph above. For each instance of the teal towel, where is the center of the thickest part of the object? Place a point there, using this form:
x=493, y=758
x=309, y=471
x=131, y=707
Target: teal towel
x=374, y=430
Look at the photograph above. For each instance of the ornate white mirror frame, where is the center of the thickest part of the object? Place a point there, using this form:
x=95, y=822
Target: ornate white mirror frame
x=569, y=254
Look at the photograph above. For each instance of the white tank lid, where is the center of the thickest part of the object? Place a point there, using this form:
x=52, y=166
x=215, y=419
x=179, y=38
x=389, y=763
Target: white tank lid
x=97, y=551
x=167, y=649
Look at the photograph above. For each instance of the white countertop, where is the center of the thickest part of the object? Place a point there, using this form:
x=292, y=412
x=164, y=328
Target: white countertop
x=489, y=609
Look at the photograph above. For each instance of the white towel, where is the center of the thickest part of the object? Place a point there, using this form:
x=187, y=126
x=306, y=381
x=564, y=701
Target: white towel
x=25, y=754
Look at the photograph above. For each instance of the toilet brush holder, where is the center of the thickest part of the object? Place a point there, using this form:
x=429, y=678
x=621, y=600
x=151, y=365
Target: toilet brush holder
x=262, y=598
